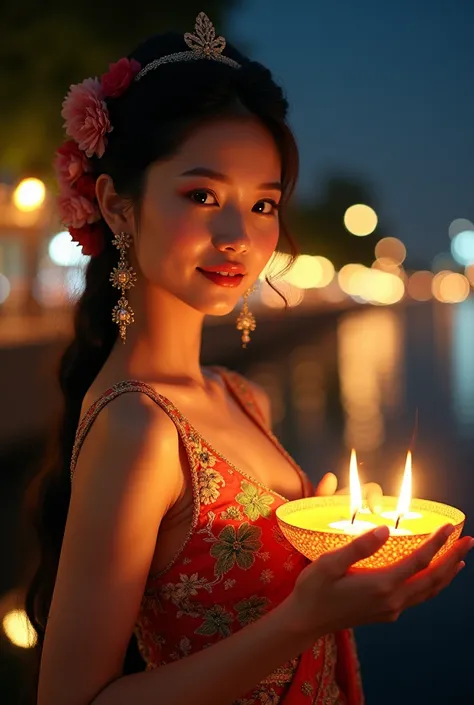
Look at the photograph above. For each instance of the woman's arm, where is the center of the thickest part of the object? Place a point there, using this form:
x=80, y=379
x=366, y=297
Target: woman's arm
x=127, y=477
x=217, y=675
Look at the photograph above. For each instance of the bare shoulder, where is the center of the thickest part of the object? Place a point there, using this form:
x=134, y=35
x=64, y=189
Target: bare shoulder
x=126, y=478
x=131, y=434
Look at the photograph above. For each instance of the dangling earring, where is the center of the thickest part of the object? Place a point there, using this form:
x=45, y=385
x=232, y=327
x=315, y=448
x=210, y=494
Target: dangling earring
x=123, y=277
x=246, y=321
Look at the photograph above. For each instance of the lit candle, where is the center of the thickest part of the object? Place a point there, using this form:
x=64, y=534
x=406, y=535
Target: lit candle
x=337, y=520
x=315, y=525
x=403, y=507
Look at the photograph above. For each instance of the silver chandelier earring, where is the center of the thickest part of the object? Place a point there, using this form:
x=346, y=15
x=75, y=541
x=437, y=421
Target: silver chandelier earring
x=123, y=277
x=246, y=320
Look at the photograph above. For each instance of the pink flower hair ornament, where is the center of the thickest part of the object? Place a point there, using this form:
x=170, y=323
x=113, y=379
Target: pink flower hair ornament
x=87, y=123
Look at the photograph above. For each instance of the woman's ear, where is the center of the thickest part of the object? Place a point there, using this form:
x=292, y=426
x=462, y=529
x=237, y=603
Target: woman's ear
x=115, y=210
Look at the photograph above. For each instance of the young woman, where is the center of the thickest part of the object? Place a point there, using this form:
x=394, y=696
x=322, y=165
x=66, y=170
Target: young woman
x=157, y=521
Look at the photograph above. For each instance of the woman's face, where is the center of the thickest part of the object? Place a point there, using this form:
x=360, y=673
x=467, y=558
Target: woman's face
x=212, y=206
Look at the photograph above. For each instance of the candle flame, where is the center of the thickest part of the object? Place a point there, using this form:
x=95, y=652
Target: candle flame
x=404, y=499
x=354, y=484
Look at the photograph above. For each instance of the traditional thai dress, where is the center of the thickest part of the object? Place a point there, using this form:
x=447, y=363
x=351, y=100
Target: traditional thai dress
x=233, y=567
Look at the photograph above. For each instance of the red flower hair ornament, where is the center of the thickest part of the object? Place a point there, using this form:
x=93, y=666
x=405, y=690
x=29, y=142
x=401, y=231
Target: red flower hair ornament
x=87, y=123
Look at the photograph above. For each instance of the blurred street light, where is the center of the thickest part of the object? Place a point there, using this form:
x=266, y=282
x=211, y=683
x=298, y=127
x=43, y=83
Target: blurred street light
x=29, y=195
x=360, y=220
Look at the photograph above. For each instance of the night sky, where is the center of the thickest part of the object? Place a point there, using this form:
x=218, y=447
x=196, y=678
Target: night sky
x=383, y=90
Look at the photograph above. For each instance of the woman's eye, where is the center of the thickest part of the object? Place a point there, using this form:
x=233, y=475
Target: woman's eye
x=266, y=207
x=204, y=198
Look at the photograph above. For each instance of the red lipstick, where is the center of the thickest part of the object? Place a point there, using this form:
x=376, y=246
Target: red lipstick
x=227, y=274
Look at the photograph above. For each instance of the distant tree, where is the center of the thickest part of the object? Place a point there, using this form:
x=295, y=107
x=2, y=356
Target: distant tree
x=46, y=46
x=318, y=223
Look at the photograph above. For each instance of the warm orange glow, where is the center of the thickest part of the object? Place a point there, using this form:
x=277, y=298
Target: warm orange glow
x=436, y=283
x=360, y=220
x=391, y=248
x=310, y=272
x=419, y=286
x=18, y=629
x=327, y=271
x=293, y=295
x=454, y=288
x=378, y=287
x=29, y=195
x=354, y=484
x=347, y=279
x=387, y=264
x=404, y=499
x=276, y=267
x=450, y=287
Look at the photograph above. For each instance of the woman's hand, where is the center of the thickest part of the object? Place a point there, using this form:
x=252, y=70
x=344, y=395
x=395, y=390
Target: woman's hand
x=371, y=492
x=329, y=596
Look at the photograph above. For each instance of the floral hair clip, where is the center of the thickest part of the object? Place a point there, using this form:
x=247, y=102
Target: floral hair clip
x=87, y=123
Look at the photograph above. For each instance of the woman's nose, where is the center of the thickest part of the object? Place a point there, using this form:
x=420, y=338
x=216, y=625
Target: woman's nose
x=234, y=244
x=232, y=236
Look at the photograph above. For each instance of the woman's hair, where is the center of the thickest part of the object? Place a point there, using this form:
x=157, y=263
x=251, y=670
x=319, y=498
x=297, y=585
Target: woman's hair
x=150, y=121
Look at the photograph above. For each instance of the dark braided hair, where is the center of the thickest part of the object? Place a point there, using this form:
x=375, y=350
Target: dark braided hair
x=150, y=121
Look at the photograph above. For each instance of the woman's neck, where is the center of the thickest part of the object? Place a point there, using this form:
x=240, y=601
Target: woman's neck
x=163, y=344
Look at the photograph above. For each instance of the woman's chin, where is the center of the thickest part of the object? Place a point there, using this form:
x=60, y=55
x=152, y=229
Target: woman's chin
x=219, y=309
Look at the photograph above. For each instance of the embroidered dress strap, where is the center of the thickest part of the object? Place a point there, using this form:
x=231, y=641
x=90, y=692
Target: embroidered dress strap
x=244, y=394
x=109, y=395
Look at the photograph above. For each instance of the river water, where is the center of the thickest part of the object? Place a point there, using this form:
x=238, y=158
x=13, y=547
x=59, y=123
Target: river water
x=362, y=381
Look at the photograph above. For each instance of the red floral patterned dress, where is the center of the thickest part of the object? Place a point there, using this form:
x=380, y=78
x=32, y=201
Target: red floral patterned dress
x=234, y=566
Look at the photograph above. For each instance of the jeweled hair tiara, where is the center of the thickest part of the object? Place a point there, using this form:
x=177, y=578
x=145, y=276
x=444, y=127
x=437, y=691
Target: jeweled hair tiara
x=203, y=44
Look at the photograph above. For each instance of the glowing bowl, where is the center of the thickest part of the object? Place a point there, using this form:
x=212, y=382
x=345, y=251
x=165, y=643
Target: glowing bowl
x=305, y=524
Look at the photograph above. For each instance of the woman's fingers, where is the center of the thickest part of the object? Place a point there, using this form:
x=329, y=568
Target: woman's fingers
x=336, y=564
x=438, y=575
x=420, y=559
x=373, y=494
x=327, y=486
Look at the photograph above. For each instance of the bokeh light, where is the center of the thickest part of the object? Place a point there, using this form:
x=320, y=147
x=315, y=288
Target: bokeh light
x=64, y=252
x=450, y=287
x=385, y=264
x=462, y=247
x=304, y=273
x=310, y=272
x=469, y=272
x=371, y=285
x=29, y=195
x=276, y=266
x=419, y=285
x=5, y=288
x=360, y=220
x=379, y=287
x=391, y=248
x=327, y=271
x=18, y=629
x=293, y=295
x=346, y=278
x=459, y=225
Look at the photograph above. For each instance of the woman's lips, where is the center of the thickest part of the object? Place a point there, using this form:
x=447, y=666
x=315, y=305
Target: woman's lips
x=225, y=279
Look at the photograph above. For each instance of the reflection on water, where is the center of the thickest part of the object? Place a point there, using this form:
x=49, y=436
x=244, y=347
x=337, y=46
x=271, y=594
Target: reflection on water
x=358, y=382
x=370, y=348
x=462, y=366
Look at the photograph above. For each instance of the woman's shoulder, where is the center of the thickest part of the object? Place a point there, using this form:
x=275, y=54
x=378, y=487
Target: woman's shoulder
x=114, y=422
